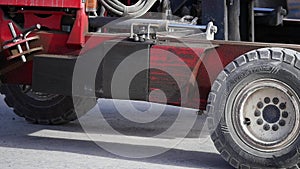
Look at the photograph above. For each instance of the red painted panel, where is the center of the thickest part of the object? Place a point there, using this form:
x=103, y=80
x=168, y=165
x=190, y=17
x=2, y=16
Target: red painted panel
x=205, y=64
x=53, y=43
x=80, y=28
x=45, y=3
x=171, y=71
x=52, y=22
x=214, y=61
x=5, y=33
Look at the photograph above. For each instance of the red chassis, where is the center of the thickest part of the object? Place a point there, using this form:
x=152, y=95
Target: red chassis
x=250, y=90
x=205, y=63
x=44, y=3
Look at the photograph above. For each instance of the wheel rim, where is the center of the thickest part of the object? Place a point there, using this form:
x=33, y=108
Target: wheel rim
x=27, y=90
x=266, y=115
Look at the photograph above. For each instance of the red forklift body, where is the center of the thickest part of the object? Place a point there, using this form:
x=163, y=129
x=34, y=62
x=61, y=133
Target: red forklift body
x=44, y=3
x=238, y=60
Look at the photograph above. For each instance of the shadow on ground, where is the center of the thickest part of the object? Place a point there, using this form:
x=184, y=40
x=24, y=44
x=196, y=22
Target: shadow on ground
x=16, y=133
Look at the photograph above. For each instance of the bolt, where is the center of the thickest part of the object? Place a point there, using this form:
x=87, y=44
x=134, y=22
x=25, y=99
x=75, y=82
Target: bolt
x=266, y=127
x=267, y=100
x=282, y=106
x=275, y=127
x=257, y=113
x=282, y=123
x=285, y=114
x=259, y=121
x=260, y=105
x=275, y=100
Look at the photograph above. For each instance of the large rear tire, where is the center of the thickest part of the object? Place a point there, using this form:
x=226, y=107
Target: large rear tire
x=43, y=108
x=256, y=110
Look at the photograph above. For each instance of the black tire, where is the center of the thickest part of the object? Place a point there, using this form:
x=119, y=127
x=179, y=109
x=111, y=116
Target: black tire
x=246, y=134
x=41, y=108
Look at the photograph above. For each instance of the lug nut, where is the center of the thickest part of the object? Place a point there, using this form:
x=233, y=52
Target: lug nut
x=275, y=127
x=285, y=114
x=267, y=100
x=282, y=106
x=259, y=121
x=266, y=127
x=257, y=113
x=275, y=100
x=260, y=105
x=282, y=123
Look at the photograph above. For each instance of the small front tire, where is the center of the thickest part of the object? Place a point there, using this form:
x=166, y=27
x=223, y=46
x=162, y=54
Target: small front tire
x=41, y=108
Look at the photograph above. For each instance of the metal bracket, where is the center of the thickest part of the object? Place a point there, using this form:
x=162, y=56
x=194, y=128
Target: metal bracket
x=211, y=30
x=19, y=40
x=145, y=32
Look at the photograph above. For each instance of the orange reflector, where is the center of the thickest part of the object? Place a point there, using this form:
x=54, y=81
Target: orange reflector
x=91, y=5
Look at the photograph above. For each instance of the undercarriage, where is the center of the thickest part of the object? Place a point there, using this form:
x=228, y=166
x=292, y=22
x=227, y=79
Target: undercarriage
x=236, y=62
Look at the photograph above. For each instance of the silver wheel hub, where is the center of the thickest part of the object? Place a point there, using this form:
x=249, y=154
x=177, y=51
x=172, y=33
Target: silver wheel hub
x=267, y=115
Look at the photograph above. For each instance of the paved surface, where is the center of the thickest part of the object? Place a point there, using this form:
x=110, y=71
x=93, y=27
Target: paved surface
x=27, y=146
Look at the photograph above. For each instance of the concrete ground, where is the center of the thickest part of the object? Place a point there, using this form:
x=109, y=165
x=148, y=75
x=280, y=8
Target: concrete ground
x=28, y=146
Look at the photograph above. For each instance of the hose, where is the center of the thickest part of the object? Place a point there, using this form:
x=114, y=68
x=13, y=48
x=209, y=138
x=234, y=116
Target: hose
x=136, y=10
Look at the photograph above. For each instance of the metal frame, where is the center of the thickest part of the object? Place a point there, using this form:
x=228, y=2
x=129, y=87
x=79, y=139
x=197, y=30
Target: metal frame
x=200, y=58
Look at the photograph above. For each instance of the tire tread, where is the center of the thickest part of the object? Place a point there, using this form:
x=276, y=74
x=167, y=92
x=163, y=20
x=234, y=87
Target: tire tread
x=273, y=54
x=17, y=109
